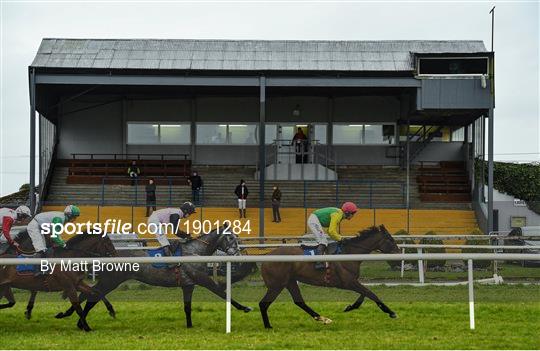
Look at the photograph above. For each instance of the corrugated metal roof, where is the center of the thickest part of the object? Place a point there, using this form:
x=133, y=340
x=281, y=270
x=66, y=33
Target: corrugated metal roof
x=242, y=55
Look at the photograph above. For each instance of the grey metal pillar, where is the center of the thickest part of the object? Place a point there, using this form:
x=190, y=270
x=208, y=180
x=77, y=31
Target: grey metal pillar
x=408, y=165
x=31, y=194
x=262, y=151
x=193, y=128
x=490, y=169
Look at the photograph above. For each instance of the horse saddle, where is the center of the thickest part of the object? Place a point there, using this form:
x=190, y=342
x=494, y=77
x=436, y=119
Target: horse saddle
x=160, y=253
x=310, y=249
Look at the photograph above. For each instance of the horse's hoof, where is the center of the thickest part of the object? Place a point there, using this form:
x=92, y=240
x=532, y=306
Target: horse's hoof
x=59, y=315
x=323, y=320
x=348, y=308
x=28, y=315
x=80, y=325
x=112, y=314
x=393, y=315
x=268, y=327
x=248, y=309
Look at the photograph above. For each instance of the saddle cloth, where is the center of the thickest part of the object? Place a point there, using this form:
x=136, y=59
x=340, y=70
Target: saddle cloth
x=310, y=249
x=25, y=268
x=159, y=253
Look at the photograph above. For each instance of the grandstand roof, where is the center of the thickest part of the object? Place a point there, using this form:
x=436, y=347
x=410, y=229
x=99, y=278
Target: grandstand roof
x=242, y=55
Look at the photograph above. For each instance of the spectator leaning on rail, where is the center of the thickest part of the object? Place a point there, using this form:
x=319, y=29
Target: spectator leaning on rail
x=9, y=217
x=242, y=193
x=35, y=229
x=150, y=197
x=172, y=216
x=330, y=218
x=133, y=172
x=276, y=201
x=196, y=183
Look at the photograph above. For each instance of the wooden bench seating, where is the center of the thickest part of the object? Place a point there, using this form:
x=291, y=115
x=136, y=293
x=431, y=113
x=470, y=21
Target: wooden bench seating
x=443, y=182
x=114, y=171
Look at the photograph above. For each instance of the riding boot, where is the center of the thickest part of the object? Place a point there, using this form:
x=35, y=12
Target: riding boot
x=244, y=212
x=37, y=267
x=240, y=211
x=321, y=250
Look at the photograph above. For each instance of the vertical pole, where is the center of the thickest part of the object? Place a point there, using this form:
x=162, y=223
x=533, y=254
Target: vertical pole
x=407, y=188
x=32, y=140
x=228, y=310
x=305, y=206
x=471, y=293
x=262, y=151
x=420, y=267
x=402, y=263
x=490, y=171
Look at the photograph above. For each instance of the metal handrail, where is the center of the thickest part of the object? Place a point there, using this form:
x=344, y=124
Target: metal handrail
x=126, y=156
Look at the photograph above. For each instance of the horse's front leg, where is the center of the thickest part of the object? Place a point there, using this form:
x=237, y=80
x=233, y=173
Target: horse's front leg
x=30, y=305
x=356, y=304
x=8, y=294
x=188, y=293
x=359, y=288
x=200, y=278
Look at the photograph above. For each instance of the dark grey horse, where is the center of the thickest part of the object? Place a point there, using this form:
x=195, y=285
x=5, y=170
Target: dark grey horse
x=185, y=276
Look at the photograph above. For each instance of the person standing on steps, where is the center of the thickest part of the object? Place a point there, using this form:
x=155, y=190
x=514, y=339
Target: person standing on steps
x=242, y=192
x=276, y=201
x=150, y=197
x=133, y=172
x=196, y=185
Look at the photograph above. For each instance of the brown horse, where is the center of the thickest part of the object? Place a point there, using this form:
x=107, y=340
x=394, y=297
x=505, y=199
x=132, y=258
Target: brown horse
x=343, y=275
x=67, y=281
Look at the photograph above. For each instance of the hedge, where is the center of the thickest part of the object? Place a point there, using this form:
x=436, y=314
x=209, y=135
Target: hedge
x=521, y=180
x=425, y=241
x=476, y=263
x=397, y=264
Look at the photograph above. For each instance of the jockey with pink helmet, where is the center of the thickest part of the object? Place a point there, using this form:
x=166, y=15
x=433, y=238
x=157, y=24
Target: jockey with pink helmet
x=328, y=218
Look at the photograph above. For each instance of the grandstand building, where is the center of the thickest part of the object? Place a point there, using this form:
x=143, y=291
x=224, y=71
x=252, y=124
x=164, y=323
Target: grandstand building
x=393, y=125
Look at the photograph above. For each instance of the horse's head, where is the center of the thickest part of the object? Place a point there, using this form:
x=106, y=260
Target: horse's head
x=227, y=242
x=372, y=239
x=92, y=245
x=387, y=243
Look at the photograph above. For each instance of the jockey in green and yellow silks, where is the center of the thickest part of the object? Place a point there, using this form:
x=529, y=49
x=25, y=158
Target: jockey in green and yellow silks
x=329, y=218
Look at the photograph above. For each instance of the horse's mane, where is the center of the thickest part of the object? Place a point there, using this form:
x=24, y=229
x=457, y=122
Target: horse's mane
x=364, y=235
x=78, y=238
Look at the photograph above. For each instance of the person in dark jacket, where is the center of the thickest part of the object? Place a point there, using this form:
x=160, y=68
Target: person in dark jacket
x=196, y=185
x=133, y=172
x=276, y=201
x=242, y=192
x=150, y=197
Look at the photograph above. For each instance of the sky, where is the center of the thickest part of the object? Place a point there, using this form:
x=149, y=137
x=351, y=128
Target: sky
x=517, y=124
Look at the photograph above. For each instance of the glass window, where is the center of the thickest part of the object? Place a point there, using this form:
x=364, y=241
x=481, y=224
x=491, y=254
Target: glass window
x=211, y=133
x=347, y=134
x=174, y=133
x=243, y=134
x=320, y=133
x=270, y=133
x=152, y=133
x=143, y=133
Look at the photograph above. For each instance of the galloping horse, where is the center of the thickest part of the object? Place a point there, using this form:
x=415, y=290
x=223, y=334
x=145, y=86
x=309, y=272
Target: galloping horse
x=69, y=282
x=185, y=276
x=26, y=247
x=343, y=275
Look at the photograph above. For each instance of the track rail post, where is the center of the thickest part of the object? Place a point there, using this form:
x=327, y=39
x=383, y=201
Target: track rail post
x=228, y=299
x=470, y=273
x=420, y=267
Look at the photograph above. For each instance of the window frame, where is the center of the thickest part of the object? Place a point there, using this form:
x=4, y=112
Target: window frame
x=364, y=133
x=449, y=75
x=159, y=123
x=227, y=138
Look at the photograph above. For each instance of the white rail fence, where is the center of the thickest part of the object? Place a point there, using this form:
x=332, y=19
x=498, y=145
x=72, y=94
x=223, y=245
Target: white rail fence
x=295, y=258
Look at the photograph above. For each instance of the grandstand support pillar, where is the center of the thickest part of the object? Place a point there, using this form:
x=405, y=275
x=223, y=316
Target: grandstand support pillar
x=193, y=128
x=262, y=151
x=408, y=163
x=32, y=179
x=490, y=169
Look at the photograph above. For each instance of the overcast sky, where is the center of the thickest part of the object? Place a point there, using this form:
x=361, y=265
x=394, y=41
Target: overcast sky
x=24, y=24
